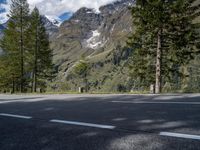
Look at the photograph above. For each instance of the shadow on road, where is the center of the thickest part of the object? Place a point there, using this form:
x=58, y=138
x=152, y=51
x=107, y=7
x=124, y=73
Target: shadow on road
x=137, y=125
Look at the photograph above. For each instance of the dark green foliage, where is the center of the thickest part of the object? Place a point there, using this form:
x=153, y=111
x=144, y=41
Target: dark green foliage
x=39, y=52
x=179, y=38
x=81, y=70
x=13, y=41
x=26, y=64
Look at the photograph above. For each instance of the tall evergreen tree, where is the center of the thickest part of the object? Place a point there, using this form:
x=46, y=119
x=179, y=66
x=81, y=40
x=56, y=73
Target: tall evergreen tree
x=165, y=38
x=13, y=40
x=150, y=19
x=27, y=54
x=39, y=54
x=8, y=76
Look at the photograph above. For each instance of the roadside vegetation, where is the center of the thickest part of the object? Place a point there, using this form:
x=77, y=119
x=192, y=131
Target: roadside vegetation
x=26, y=65
x=165, y=41
x=163, y=50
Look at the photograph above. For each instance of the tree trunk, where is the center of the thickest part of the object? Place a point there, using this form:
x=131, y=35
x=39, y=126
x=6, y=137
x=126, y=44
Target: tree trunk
x=13, y=85
x=21, y=53
x=32, y=82
x=158, y=63
x=35, y=63
x=85, y=82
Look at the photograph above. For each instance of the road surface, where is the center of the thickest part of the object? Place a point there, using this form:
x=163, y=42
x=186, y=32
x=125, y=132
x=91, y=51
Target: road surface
x=100, y=122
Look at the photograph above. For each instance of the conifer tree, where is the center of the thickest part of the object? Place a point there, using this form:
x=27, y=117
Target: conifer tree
x=150, y=19
x=39, y=54
x=13, y=41
x=165, y=38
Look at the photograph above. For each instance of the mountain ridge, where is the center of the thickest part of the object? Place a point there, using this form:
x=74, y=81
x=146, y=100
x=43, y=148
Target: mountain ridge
x=98, y=37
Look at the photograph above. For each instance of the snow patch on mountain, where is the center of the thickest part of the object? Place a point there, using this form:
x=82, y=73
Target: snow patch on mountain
x=95, y=41
x=91, y=11
x=54, y=20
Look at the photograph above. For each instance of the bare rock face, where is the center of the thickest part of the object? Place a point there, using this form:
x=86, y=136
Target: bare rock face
x=50, y=25
x=91, y=33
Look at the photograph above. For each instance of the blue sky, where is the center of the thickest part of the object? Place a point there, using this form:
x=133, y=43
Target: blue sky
x=65, y=16
x=57, y=9
x=2, y=9
x=2, y=1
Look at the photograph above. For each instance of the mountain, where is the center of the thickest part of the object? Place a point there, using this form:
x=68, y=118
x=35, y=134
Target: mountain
x=55, y=21
x=51, y=25
x=99, y=37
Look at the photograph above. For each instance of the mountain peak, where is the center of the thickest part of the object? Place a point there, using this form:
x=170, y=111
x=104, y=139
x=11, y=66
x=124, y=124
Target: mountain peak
x=54, y=20
x=116, y=6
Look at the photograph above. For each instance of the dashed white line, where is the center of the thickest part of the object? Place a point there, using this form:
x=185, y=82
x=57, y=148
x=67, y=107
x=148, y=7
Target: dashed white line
x=15, y=116
x=84, y=124
x=179, y=135
x=131, y=102
x=168, y=134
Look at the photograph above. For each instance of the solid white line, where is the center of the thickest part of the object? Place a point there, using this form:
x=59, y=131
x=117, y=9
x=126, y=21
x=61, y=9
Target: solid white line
x=179, y=135
x=84, y=124
x=131, y=102
x=15, y=116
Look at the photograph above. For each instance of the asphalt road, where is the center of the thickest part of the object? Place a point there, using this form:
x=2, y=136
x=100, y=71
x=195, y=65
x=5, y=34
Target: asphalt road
x=100, y=122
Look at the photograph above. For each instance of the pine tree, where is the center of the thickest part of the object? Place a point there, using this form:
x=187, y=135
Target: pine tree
x=27, y=58
x=150, y=19
x=8, y=76
x=165, y=38
x=39, y=54
x=13, y=41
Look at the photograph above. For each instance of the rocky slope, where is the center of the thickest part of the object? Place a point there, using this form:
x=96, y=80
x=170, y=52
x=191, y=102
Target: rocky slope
x=51, y=25
x=99, y=37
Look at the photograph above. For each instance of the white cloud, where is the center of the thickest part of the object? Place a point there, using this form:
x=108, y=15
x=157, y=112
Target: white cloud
x=3, y=15
x=58, y=7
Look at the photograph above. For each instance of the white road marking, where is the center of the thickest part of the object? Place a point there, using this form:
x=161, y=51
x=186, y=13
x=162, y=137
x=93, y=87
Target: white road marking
x=84, y=124
x=179, y=135
x=17, y=101
x=15, y=116
x=131, y=102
